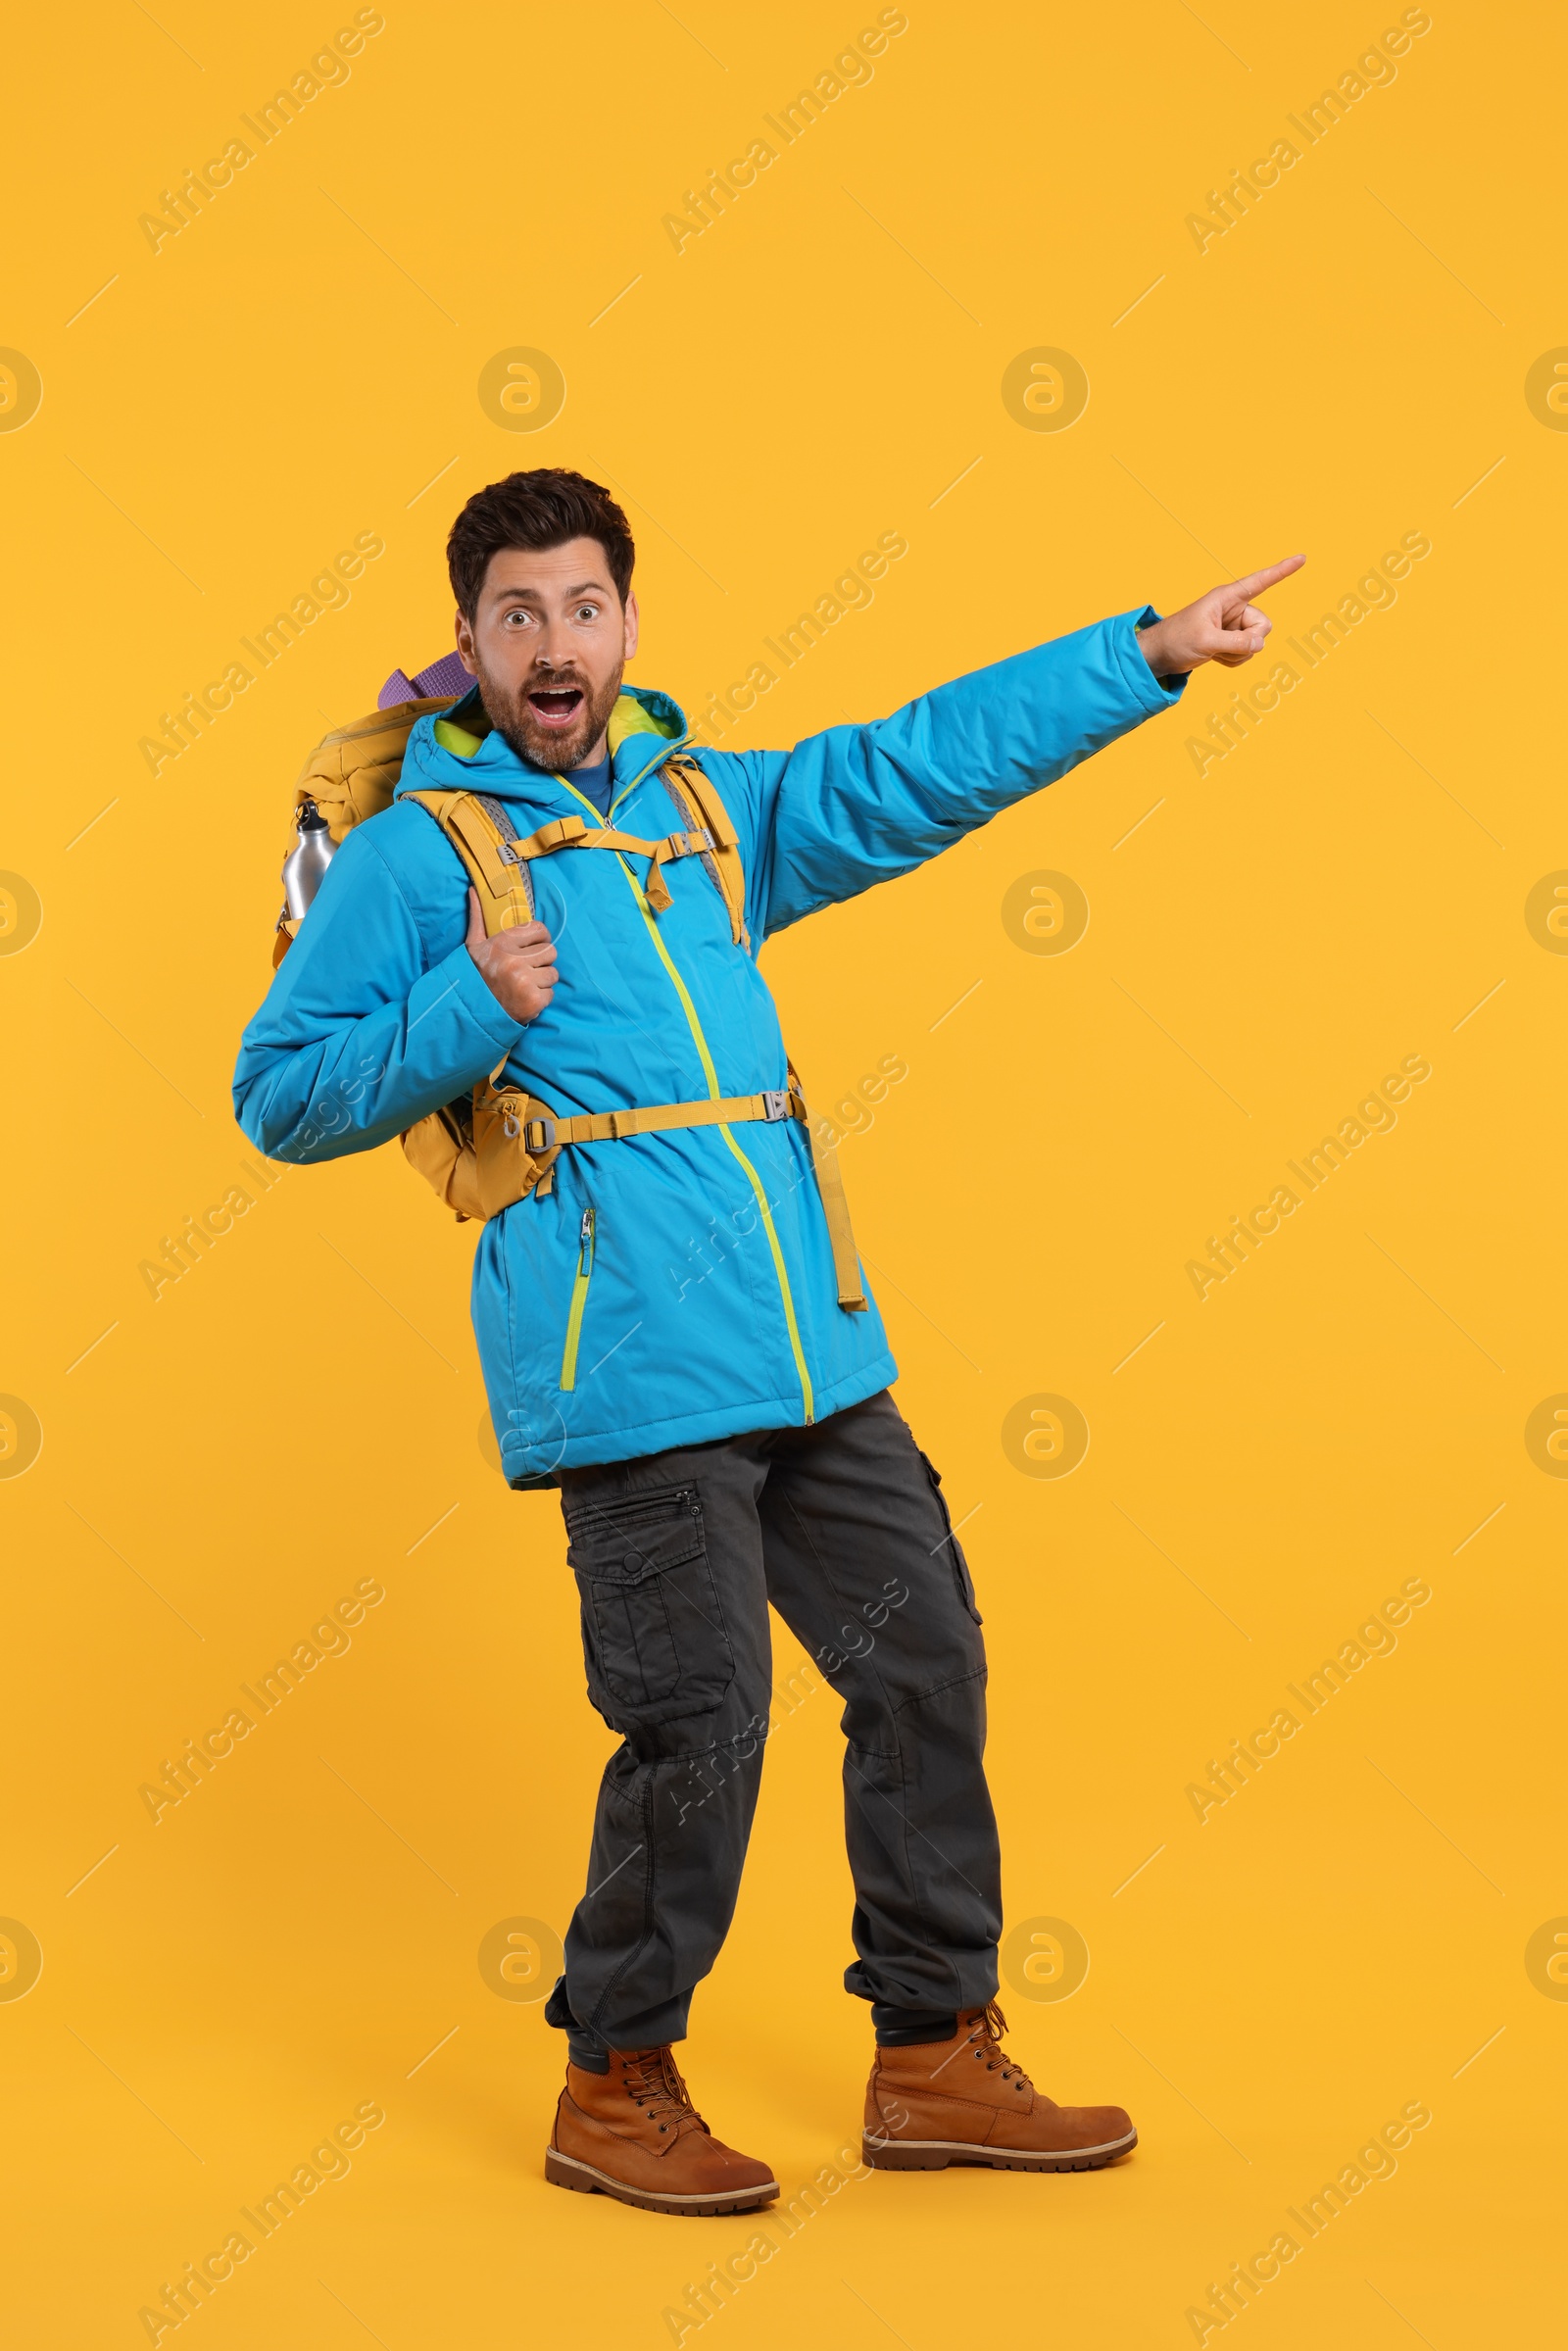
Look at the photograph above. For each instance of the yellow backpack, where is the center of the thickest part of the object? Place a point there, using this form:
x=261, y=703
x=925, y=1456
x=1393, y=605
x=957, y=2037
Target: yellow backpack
x=482, y=1152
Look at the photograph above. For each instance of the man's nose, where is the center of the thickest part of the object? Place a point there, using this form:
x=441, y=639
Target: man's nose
x=552, y=648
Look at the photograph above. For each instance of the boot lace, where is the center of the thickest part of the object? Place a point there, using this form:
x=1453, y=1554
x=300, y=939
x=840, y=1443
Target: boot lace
x=985, y=2038
x=652, y=2079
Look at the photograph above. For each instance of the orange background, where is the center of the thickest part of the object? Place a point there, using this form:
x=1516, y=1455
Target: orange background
x=1348, y=887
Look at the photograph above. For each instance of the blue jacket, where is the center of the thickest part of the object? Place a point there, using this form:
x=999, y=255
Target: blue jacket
x=700, y=1297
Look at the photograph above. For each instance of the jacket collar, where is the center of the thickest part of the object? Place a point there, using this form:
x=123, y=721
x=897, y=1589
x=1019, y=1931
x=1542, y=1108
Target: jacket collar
x=458, y=750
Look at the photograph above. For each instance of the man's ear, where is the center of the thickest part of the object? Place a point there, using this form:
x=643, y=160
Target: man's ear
x=629, y=641
x=465, y=640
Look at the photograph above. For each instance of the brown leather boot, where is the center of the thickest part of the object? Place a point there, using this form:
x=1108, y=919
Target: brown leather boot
x=965, y=2101
x=634, y=2134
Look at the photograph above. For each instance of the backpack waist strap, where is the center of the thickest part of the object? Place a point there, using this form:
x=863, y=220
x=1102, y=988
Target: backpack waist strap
x=535, y=1135
x=545, y=1134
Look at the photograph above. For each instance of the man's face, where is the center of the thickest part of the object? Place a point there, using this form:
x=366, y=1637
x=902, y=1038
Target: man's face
x=548, y=644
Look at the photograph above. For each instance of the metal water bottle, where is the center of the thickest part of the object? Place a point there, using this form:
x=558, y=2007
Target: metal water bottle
x=304, y=865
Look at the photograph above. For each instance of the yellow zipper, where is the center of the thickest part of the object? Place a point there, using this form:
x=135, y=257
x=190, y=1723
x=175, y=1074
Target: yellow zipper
x=808, y=1398
x=579, y=1299
x=669, y=751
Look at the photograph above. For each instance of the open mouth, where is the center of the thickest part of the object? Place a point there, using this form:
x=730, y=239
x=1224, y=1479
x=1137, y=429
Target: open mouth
x=555, y=707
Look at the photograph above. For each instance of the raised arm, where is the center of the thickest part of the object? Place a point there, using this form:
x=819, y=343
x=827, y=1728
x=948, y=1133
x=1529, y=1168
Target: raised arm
x=859, y=805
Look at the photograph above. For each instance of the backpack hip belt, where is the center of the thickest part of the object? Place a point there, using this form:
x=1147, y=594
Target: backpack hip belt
x=543, y=1134
x=482, y=1156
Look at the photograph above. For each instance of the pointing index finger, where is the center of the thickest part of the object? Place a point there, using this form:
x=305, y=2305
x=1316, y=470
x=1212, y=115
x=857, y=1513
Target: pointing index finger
x=1257, y=581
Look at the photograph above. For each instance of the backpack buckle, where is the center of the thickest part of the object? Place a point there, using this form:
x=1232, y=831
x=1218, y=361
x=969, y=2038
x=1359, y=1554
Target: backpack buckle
x=538, y=1133
x=775, y=1107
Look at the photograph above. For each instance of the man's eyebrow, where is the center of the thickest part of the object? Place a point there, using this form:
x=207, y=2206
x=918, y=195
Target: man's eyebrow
x=535, y=596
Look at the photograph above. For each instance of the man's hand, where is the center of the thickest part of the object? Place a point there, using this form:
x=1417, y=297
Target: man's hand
x=517, y=967
x=1225, y=626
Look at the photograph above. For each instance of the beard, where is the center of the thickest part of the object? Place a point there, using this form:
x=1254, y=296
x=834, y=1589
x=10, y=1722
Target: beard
x=551, y=745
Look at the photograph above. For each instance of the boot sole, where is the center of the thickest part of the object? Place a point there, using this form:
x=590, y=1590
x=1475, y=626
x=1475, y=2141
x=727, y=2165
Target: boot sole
x=565, y=2170
x=935, y=2155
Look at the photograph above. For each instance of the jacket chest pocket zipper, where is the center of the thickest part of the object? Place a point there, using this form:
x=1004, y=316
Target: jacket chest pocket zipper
x=579, y=1299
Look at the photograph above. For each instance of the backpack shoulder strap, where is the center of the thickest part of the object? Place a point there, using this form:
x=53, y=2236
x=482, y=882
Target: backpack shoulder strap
x=484, y=836
x=688, y=782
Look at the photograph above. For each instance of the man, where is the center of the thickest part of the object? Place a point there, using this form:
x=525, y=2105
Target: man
x=667, y=1332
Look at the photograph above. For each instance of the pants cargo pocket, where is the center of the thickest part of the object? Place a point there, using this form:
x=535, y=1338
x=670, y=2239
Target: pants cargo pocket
x=953, y=1547
x=654, y=1632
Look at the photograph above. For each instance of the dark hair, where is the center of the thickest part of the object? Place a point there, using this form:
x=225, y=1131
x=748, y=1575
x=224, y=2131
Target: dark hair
x=539, y=510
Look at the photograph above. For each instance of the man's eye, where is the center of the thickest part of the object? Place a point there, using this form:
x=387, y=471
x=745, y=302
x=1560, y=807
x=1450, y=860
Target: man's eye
x=520, y=616
x=587, y=612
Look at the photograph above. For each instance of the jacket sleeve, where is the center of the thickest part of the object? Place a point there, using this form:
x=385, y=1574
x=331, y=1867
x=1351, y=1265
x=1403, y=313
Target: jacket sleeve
x=360, y=1035
x=863, y=804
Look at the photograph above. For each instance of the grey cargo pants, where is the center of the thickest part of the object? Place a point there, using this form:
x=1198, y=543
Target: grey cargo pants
x=842, y=1526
